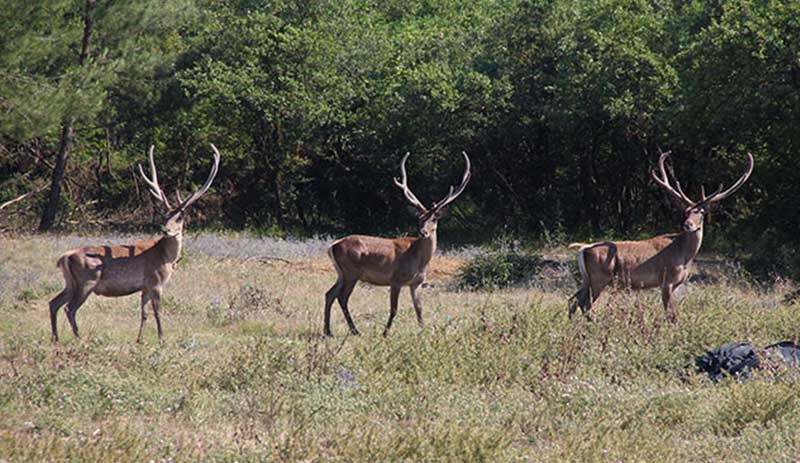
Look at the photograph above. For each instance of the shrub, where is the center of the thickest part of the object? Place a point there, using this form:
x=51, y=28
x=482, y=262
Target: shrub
x=250, y=302
x=498, y=269
x=773, y=255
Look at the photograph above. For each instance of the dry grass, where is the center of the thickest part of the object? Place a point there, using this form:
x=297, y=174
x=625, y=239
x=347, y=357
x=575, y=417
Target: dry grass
x=244, y=375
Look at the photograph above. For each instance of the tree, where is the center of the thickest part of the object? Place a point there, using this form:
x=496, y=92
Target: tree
x=61, y=59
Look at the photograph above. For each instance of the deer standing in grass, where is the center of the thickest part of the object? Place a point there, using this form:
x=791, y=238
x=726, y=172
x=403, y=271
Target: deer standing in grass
x=393, y=262
x=662, y=261
x=144, y=266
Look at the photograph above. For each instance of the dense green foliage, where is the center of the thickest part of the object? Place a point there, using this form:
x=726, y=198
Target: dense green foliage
x=561, y=104
x=497, y=269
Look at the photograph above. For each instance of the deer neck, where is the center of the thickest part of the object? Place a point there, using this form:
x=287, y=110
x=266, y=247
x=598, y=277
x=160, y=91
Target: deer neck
x=690, y=242
x=426, y=246
x=170, y=246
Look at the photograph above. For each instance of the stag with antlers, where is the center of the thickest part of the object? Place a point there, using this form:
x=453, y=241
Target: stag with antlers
x=662, y=261
x=393, y=262
x=144, y=266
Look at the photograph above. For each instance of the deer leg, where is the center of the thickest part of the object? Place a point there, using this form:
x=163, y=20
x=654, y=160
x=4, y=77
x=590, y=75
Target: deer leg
x=155, y=303
x=590, y=296
x=145, y=300
x=56, y=303
x=580, y=298
x=669, y=303
x=417, y=304
x=344, y=296
x=394, y=295
x=330, y=296
x=588, y=302
x=78, y=298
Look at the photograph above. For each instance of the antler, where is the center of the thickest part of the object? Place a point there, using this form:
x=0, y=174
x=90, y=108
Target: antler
x=403, y=184
x=678, y=193
x=155, y=189
x=720, y=195
x=451, y=196
x=715, y=197
x=197, y=194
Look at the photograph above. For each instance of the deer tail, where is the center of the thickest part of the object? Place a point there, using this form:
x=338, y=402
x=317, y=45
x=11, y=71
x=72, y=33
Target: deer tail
x=577, y=245
x=63, y=264
x=582, y=263
x=333, y=258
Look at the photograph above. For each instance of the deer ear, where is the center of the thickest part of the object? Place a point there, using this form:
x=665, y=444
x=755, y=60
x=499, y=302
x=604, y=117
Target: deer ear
x=442, y=212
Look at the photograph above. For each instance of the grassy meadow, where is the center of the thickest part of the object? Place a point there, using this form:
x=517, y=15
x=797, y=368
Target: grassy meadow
x=244, y=374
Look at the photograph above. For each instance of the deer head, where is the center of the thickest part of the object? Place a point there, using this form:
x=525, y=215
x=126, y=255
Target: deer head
x=429, y=218
x=695, y=211
x=175, y=215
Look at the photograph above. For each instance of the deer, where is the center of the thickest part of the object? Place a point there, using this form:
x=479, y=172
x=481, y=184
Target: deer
x=393, y=262
x=662, y=261
x=142, y=267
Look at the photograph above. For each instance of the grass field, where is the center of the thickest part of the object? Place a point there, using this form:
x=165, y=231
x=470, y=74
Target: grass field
x=244, y=374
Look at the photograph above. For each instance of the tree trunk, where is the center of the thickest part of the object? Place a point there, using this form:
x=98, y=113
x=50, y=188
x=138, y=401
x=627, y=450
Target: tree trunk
x=67, y=132
x=49, y=213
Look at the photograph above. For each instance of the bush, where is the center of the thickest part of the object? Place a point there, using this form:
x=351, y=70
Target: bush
x=498, y=269
x=250, y=302
x=773, y=255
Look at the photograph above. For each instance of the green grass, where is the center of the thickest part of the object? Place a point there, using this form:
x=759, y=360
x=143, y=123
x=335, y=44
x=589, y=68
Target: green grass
x=495, y=376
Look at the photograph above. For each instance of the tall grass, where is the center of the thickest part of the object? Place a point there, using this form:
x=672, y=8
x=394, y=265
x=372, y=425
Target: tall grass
x=495, y=376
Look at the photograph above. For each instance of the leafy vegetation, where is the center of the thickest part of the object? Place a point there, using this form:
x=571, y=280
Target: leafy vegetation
x=497, y=269
x=562, y=106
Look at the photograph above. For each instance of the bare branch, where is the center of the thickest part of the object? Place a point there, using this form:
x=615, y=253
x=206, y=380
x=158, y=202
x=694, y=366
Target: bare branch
x=17, y=199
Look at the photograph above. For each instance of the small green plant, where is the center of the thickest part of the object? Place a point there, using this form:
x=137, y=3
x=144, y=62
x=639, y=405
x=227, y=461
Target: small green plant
x=752, y=403
x=498, y=269
x=249, y=302
x=37, y=291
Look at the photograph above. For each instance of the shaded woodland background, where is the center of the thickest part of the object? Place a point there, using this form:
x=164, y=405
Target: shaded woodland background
x=562, y=105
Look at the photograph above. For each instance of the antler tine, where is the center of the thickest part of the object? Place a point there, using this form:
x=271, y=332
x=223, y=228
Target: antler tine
x=155, y=189
x=706, y=199
x=451, y=196
x=678, y=187
x=403, y=185
x=719, y=196
x=664, y=181
x=197, y=194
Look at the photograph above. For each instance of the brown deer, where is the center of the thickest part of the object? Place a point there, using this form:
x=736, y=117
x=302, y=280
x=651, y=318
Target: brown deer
x=144, y=266
x=662, y=261
x=393, y=262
